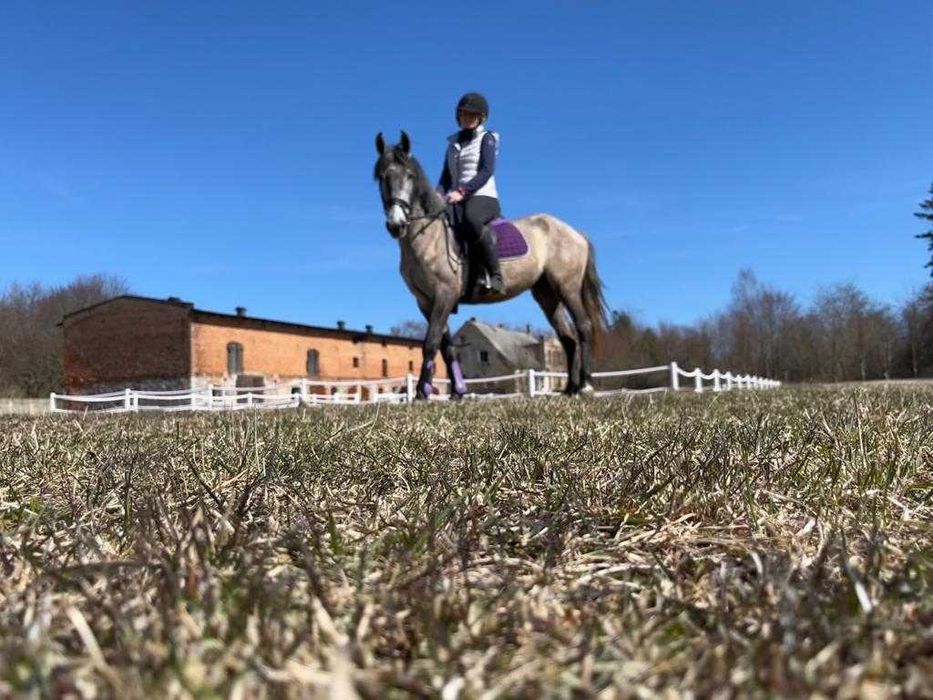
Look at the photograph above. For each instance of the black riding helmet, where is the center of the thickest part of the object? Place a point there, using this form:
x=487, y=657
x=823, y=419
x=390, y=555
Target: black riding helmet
x=472, y=102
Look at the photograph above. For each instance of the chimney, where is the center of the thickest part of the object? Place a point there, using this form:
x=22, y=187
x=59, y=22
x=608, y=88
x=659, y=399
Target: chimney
x=369, y=329
x=528, y=328
x=175, y=300
x=341, y=325
x=241, y=311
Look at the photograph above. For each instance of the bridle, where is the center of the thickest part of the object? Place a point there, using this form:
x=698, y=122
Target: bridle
x=406, y=206
x=407, y=209
x=428, y=219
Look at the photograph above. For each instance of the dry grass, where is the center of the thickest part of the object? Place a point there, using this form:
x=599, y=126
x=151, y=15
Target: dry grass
x=747, y=543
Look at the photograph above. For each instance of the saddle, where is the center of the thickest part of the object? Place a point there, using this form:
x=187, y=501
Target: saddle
x=510, y=243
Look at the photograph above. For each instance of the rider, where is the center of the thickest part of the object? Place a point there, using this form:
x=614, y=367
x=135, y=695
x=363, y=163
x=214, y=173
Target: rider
x=468, y=182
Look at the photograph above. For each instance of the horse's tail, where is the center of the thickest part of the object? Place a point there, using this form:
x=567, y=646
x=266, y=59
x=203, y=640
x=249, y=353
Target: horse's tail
x=593, y=300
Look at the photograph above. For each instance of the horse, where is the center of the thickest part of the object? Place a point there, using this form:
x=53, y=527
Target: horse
x=559, y=269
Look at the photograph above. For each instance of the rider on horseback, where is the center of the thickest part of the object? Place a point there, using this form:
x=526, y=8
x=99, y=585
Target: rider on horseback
x=468, y=183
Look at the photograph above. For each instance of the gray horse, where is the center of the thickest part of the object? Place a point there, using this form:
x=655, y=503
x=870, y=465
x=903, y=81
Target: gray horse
x=559, y=269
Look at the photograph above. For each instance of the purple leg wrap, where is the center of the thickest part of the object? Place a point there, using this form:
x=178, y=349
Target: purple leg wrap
x=459, y=384
x=425, y=384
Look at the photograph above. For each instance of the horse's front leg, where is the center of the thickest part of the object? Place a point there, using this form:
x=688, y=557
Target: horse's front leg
x=437, y=325
x=454, y=370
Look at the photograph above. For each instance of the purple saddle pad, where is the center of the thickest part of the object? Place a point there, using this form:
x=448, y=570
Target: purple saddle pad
x=510, y=243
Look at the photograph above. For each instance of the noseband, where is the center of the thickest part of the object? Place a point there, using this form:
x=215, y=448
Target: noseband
x=406, y=206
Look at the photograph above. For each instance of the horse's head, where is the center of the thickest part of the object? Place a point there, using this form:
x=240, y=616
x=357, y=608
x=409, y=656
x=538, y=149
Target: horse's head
x=397, y=173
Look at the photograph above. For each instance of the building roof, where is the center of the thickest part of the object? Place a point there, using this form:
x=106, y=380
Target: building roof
x=517, y=348
x=216, y=317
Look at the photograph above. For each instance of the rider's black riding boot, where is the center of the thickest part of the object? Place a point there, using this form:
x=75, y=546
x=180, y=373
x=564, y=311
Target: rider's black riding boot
x=490, y=259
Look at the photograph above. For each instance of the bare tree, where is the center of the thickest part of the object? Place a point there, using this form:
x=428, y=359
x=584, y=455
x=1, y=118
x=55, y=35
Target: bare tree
x=764, y=331
x=410, y=329
x=917, y=333
x=755, y=332
x=30, y=339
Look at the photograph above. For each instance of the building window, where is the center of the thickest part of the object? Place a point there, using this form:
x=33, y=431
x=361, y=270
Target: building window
x=356, y=362
x=484, y=357
x=234, y=358
x=411, y=366
x=314, y=363
x=385, y=367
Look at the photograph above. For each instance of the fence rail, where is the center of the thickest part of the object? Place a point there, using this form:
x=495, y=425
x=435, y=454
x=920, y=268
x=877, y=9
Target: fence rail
x=397, y=390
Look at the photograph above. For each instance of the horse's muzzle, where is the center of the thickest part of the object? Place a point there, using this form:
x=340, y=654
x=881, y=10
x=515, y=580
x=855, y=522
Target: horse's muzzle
x=395, y=230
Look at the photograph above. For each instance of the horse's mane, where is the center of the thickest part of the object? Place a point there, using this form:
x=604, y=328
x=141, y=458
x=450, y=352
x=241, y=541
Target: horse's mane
x=424, y=191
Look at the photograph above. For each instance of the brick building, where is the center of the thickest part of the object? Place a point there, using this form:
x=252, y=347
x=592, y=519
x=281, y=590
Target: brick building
x=144, y=343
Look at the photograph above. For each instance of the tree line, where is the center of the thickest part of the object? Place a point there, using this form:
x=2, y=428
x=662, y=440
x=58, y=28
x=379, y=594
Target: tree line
x=842, y=335
x=30, y=338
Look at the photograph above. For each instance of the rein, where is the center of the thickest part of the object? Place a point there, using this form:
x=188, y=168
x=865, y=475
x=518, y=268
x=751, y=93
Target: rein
x=406, y=206
x=452, y=256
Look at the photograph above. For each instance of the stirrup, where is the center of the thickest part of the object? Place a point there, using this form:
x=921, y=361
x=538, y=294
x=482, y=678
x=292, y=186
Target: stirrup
x=491, y=284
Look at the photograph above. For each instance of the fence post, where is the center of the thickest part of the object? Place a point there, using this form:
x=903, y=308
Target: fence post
x=698, y=381
x=531, y=383
x=249, y=398
x=127, y=401
x=410, y=385
x=52, y=402
x=716, y=384
x=675, y=378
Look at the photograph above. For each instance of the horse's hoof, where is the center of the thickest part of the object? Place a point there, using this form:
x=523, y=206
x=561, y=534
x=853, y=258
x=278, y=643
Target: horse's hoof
x=456, y=396
x=588, y=390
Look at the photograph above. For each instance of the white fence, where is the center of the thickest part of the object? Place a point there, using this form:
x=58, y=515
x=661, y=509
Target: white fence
x=531, y=383
x=209, y=399
x=28, y=407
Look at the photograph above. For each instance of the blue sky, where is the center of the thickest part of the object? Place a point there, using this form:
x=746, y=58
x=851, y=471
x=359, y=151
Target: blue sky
x=222, y=152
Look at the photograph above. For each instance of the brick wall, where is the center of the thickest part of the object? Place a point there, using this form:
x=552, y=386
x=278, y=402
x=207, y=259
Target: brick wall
x=127, y=342
x=279, y=352
x=154, y=344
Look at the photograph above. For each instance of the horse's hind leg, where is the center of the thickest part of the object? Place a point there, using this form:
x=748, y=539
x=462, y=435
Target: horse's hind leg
x=584, y=328
x=556, y=315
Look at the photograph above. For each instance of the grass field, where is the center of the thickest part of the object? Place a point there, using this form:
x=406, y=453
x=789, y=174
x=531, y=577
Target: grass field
x=749, y=543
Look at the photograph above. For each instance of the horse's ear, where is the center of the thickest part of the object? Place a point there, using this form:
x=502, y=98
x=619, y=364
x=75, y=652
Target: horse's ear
x=380, y=144
x=405, y=143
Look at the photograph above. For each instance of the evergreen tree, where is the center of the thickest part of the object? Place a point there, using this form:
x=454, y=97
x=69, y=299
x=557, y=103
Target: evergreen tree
x=927, y=214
